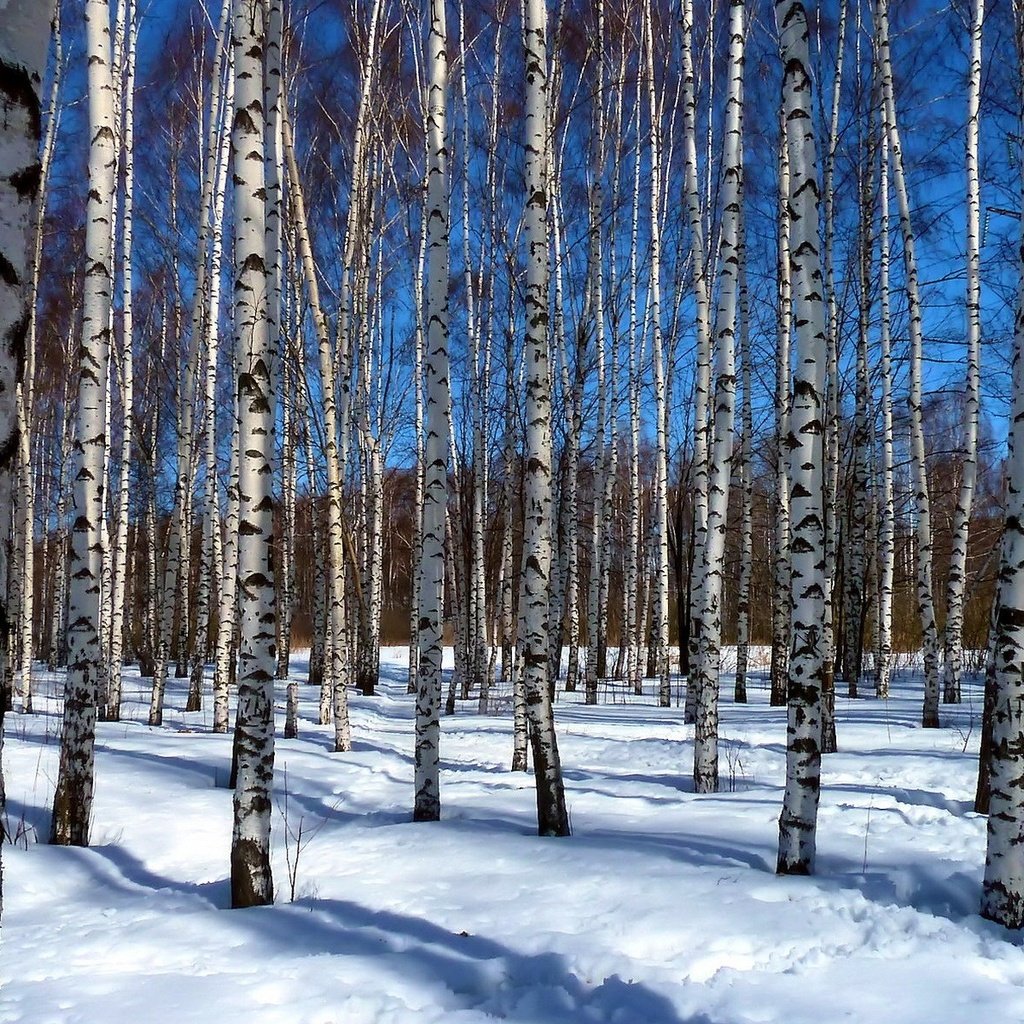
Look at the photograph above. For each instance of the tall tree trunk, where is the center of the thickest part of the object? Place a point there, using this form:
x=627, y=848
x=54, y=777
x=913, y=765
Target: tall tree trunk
x=120, y=547
x=552, y=818
x=887, y=516
x=798, y=821
x=972, y=392
x=334, y=671
x=72, y=801
x=781, y=568
x=660, y=596
x=251, y=880
x=22, y=63
x=708, y=620
x=923, y=530
x=1002, y=896
x=702, y=382
x=427, y=804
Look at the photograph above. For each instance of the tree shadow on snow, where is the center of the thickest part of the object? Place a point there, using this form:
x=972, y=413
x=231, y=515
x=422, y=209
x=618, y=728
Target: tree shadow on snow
x=474, y=971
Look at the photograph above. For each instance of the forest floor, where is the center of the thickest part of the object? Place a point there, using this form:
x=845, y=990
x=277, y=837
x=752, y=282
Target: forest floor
x=663, y=907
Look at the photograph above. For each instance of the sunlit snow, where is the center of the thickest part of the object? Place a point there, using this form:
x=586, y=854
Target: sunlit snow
x=663, y=907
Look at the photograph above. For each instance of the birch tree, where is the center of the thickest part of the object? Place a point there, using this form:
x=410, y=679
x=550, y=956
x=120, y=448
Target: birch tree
x=887, y=507
x=535, y=578
x=427, y=805
x=798, y=820
x=952, y=663
x=781, y=571
x=120, y=542
x=708, y=620
x=24, y=34
x=251, y=882
x=922, y=503
x=72, y=801
x=27, y=387
x=1002, y=896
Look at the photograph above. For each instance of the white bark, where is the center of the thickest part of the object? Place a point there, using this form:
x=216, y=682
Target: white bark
x=23, y=41
x=660, y=598
x=535, y=578
x=698, y=267
x=1002, y=898
x=972, y=391
x=707, y=623
x=427, y=805
x=251, y=882
x=887, y=510
x=26, y=389
x=120, y=543
x=72, y=803
x=797, y=823
x=923, y=529
x=781, y=558
x=334, y=668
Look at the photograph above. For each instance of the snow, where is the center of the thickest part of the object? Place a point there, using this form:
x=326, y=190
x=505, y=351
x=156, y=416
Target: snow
x=663, y=907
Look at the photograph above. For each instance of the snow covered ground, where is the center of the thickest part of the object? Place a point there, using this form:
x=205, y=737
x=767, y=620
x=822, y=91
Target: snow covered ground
x=662, y=908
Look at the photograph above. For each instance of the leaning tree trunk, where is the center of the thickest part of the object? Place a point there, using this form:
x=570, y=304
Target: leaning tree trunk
x=552, y=818
x=251, y=881
x=965, y=499
x=427, y=805
x=797, y=823
x=334, y=674
x=72, y=801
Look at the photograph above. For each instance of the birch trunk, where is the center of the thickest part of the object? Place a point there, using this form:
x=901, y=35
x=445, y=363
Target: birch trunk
x=23, y=44
x=26, y=389
x=1002, y=897
x=251, y=881
x=972, y=392
x=707, y=623
x=72, y=802
x=923, y=529
x=781, y=570
x=120, y=545
x=746, y=481
x=887, y=511
x=535, y=579
x=427, y=804
x=660, y=596
x=698, y=267
x=797, y=823
x=334, y=677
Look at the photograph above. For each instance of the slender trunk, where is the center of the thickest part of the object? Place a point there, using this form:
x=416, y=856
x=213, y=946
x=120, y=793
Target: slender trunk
x=120, y=546
x=427, y=804
x=552, y=818
x=72, y=802
x=968, y=482
x=781, y=570
x=798, y=821
x=923, y=530
x=708, y=621
x=251, y=880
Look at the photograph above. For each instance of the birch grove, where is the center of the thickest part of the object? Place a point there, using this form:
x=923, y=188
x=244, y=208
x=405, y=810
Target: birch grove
x=691, y=374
